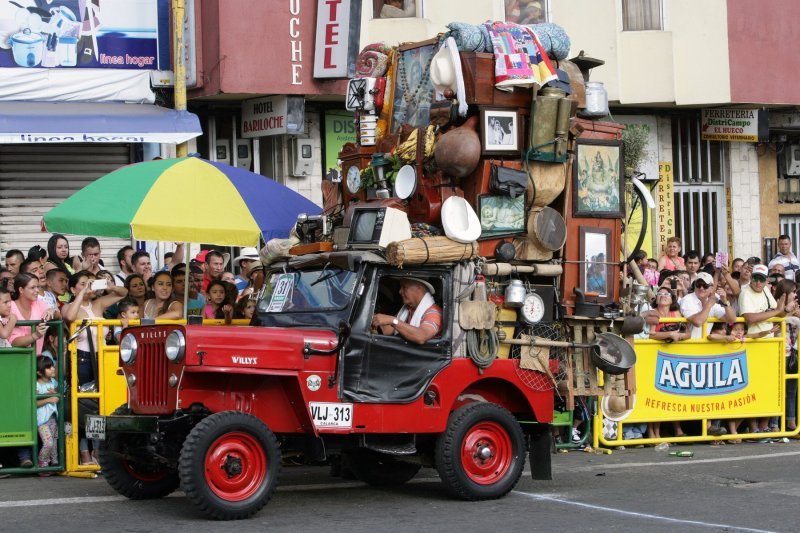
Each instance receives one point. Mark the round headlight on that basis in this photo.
(175, 346)
(127, 349)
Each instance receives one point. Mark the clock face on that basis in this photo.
(353, 179)
(532, 308)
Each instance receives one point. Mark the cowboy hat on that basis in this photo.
(248, 254)
(614, 407)
(443, 72)
(422, 282)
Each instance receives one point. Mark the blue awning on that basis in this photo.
(71, 122)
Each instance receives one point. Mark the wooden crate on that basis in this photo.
(478, 68)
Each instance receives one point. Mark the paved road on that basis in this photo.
(744, 487)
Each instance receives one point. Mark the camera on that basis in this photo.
(673, 282)
(99, 285)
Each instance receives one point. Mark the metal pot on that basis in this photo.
(515, 293)
(27, 48)
(612, 354)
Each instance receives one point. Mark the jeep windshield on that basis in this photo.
(316, 297)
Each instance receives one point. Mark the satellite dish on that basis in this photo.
(459, 220)
(405, 182)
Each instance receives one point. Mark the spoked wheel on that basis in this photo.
(482, 453)
(635, 222)
(130, 471)
(229, 465)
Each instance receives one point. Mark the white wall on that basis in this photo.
(745, 210)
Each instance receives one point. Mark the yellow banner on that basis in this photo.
(664, 206)
(691, 380)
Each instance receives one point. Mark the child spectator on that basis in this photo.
(56, 281)
(50, 346)
(218, 304)
(7, 320)
(47, 412)
(245, 309)
(127, 310)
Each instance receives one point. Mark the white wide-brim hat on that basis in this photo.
(246, 253)
(443, 71)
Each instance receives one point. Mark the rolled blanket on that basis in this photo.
(554, 39)
(371, 64)
(469, 37)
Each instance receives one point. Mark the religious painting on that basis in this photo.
(597, 184)
(413, 90)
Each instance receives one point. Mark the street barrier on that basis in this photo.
(700, 382)
(111, 390)
(18, 427)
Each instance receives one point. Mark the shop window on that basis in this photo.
(393, 9)
(526, 11)
(640, 15)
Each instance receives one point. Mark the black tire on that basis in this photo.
(635, 221)
(134, 479)
(377, 469)
(229, 465)
(474, 429)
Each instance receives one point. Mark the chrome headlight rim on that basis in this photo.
(128, 347)
(175, 346)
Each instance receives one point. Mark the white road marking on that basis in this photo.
(684, 462)
(553, 499)
(356, 484)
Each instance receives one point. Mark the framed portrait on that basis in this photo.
(597, 180)
(501, 215)
(595, 250)
(500, 131)
(413, 90)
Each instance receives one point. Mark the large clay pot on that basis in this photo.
(458, 151)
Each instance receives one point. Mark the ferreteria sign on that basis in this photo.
(732, 125)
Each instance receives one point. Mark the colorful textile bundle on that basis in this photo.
(520, 59)
(372, 61)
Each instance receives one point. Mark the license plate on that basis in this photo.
(331, 415)
(95, 427)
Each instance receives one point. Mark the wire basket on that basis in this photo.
(540, 381)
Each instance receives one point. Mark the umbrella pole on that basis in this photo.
(188, 275)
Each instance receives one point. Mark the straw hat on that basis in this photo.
(427, 285)
(614, 407)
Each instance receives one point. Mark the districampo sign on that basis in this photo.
(731, 125)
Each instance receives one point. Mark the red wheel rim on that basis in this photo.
(235, 466)
(486, 453)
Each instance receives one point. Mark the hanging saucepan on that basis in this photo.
(612, 354)
(27, 48)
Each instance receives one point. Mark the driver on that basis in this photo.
(419, 320)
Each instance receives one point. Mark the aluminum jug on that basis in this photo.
(515, 293)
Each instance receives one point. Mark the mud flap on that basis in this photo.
(540, 446)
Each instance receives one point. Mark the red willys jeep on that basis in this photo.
(212, 409)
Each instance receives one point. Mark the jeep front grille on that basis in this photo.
(152, 369)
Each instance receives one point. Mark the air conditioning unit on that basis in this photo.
(792, 154)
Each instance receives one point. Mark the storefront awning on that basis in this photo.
(69, 122)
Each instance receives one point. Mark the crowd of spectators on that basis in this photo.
(48, 285)
(698, 288)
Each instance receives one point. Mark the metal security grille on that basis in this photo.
(36, 178)
(790, 225)
(700, 173)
